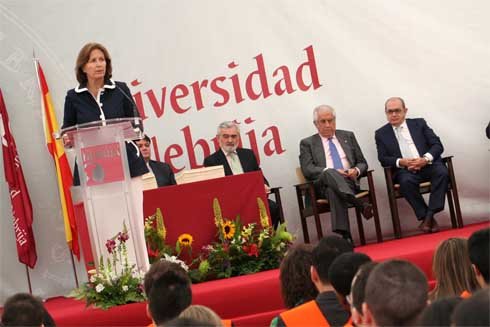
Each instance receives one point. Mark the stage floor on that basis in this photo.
(254, 299)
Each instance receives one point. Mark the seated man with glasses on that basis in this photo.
(162, 171)
(237, 160)
(412, 148)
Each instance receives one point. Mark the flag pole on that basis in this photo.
(28, 279)
(44, 122)
(74, 269)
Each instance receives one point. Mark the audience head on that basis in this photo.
(23, 309)
(358, 291)
(439, 312)
(296, 284)
(452, 269)
(144, 146)
(324, 254)
(396, 294)
(342, 271)
(168, 288)
(202, 314)
(89, 52)
(395, 111)
(473, 311)
(185, 322)
(478, 248)
(228, 136)
(324, 120)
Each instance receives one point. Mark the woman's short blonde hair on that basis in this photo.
(84, 56)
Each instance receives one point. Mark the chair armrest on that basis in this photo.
(275, 189)
(447, 159)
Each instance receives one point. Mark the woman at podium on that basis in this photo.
(98, 97)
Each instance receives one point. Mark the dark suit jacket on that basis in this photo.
(423, 136)
(247, 160)
(312, 155)
(163, 173)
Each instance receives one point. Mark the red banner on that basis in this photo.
(21, 202)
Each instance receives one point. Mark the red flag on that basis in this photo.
(63, 171)
(21, 202)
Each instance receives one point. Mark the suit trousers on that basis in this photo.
(340, 192)
(438, 176)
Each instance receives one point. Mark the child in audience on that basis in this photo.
(358, 291)
(439, 312)
(342, 271)
(452, 270)
(473, 311)
(23, 309)
(325, 309)
(479, 255)
(202, 314)
(294, 273)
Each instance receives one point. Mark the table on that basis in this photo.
(188, 208)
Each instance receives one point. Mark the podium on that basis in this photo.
(110, 197)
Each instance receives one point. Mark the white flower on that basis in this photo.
(113, 276)
(99, 288)
(175, 260)
(93, 278)
(125, 288)
(92, 272)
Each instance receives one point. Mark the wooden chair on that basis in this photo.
(311, 206)
(452, 197)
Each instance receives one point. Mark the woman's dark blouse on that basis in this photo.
(81, 107)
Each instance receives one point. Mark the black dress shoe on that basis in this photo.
(426, 225)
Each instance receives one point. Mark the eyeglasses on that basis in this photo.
(228, 136)
(393, 111)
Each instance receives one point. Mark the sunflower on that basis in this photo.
(228, 229)
(185, 240)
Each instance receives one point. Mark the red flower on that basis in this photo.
(153, 253)
(123, 237)
(251, 250)
(110, 245)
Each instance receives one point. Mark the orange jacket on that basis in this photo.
(309, 314)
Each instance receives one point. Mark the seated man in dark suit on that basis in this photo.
(334, 161)
(237, 160)
(162, 171)
(414, 150)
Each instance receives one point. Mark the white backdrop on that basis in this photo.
(434, 54)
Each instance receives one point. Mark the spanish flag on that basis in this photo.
(63, 171)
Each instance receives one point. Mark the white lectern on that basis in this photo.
(110, 197)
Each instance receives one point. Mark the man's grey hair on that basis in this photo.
(228, 124)
(323, 108)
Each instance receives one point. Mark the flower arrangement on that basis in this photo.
(241, 249)
(115, 282)
(155, 234)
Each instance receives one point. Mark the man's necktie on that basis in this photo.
(404, 147)
(337, 163)
(235, 165)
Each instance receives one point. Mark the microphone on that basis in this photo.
(138, 125)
